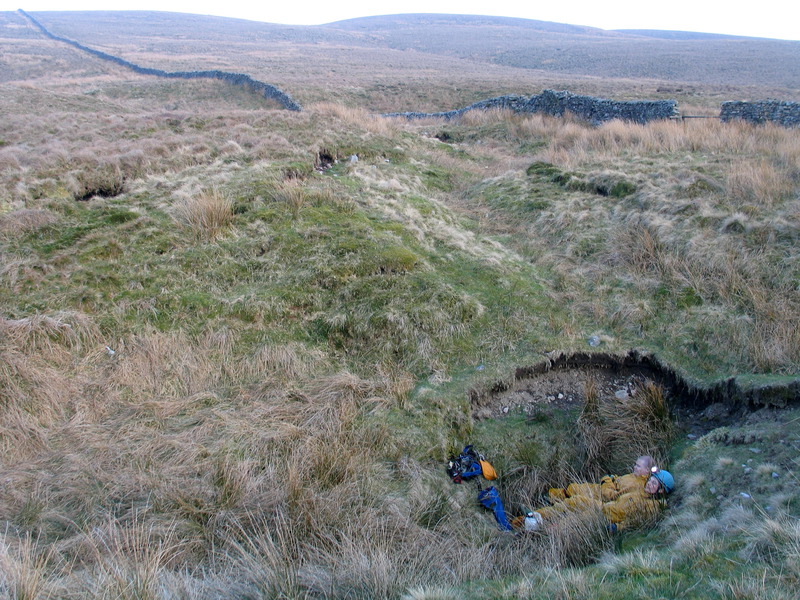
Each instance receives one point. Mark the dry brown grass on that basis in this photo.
(759, 182)
(359, 118)
(716, 234)
(595, 436)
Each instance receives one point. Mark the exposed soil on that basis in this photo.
(562, 383)
(566, 389)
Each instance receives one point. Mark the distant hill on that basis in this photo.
(556, 47)
(665, 34)
(394, 22)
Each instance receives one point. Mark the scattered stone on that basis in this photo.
(692, 436)
(561, 396)
(775, 475)
(354, 158)
(505, 410)
(748, 470)
(755, 450)
(713, 490)
(621, 394)
(720, 497)
(744, 495)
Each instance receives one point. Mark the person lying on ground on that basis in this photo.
(610, 487)
(627, 502)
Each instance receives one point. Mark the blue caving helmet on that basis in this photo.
(666, 479)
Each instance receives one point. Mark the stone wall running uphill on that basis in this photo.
(265, 89)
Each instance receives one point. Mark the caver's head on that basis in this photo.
(643, 466)
(660, 481)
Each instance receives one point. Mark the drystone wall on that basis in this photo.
(786, 114)
(594, 110)
(240, 79)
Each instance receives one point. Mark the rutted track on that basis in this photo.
(240, 79)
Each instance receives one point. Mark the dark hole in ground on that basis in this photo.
(104, 191)
(325, 160)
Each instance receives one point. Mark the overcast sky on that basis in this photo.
(766, 18)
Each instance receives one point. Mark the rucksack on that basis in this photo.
(469, 464)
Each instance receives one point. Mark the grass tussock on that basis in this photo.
(578, 539)
(24, 569)
(777, 542)
(20, 222)
(207, 214)
(291, 193)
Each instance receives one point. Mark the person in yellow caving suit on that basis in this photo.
(626, 501)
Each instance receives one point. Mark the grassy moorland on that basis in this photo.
(233, 360)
